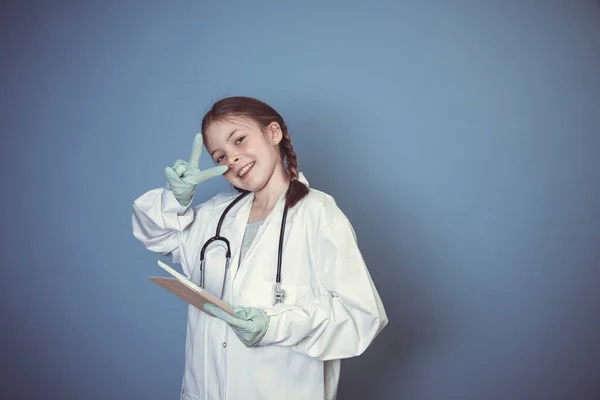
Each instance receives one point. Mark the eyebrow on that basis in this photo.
(228, 137)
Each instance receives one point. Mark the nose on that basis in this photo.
(232, 160)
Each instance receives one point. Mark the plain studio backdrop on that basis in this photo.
(460, 138)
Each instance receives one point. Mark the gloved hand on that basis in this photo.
(183, 177)
(250, 326)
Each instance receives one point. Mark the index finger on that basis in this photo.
(196, 151)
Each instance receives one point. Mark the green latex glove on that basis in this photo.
(250, 326)
(183, 177)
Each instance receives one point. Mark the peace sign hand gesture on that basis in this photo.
(183, 177)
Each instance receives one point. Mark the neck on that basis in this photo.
(267, 197)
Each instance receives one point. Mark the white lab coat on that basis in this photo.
(331, 308)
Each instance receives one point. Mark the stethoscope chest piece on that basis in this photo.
(278, 293)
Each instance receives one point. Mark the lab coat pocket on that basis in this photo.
(295, 296)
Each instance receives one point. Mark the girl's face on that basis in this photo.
(251, 154)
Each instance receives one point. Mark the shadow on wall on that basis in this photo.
(397, 266)
(413, 331)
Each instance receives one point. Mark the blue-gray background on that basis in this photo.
(461, 139)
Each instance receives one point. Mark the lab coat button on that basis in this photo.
(224, 344)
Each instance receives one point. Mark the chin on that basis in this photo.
(252, 186)
(241, 185)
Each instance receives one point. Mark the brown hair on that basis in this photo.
(263, 115)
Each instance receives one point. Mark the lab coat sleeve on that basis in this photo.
(346, 316)
(158, 219)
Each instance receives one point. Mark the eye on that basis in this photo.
(240, 139)
(219, 159)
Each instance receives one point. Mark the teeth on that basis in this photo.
(245, 169)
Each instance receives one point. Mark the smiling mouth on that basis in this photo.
(245, 170)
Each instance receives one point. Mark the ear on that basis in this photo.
(274, 133)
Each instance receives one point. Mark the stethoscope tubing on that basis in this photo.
(218, 237)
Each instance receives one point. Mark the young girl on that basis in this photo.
(287, 338)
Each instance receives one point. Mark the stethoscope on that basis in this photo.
(278, 292)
